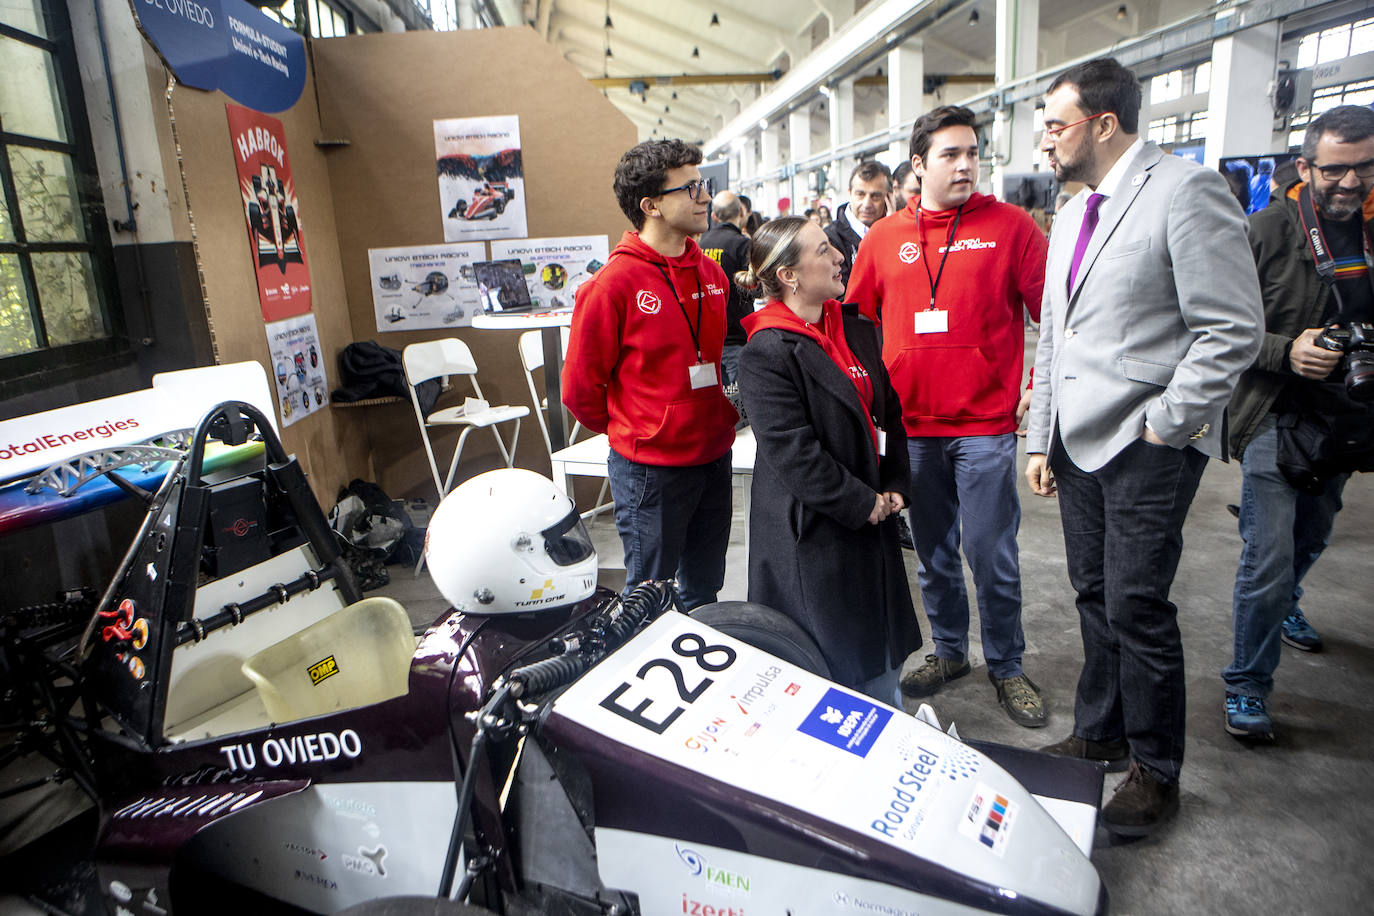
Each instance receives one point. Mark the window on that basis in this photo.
(326, 19)
(54, 245)
(1360, 92)
(1194, 127)
(1166, 87)
(1336, 43)
(1163, 130)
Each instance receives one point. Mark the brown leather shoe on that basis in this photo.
(1113, 755)
(1140, 804)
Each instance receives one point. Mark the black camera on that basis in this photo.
(1356, 341)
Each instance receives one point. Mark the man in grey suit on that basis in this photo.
(1151, 312)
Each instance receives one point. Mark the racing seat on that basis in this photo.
(448, 357)
(357, 656)
(531, 344)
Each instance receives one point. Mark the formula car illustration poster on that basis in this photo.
(427, 286)
(297, 367)
(481, 178)
(272, 211)
(554, 268)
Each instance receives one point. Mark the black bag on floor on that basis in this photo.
(376, 526)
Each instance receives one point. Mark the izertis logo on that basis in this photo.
(909, 253)
(648, 303)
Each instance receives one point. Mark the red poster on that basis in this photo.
(274, 214)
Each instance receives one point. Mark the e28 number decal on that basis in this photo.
(689, 646)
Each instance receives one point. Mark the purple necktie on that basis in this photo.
(1085, 234)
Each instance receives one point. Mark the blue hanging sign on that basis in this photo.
(227, 45)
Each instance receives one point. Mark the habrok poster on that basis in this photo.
(481, 178)
(272, 211)
(554, 268)
(298, 367)
(427, 286)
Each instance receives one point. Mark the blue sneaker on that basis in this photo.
(1247, 718)
(1299, 634)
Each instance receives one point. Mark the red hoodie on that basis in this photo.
(965, 381)
(626, 372)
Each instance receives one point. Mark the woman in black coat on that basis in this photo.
(831, 468)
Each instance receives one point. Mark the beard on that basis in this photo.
(1338, 206)
(1080, 169)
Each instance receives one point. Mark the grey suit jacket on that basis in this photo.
(1164, 317)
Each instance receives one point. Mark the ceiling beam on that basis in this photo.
(591, 14)
(687, 79)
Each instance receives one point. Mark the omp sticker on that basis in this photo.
(324, 668)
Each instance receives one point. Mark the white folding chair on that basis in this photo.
(531, 345)
(450, 357)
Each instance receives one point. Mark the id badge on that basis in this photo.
(702, 375)
(932, 321)
(882, 442)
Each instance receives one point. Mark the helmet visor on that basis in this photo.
(567, 542)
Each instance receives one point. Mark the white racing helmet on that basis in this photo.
(509, 542)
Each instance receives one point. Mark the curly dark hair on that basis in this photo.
(643, 169)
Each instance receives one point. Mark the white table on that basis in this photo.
(588, 459)
(549, 324)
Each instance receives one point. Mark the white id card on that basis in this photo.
(932, 321)
(702, 375)
(882, 442)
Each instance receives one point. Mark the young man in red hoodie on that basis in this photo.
(947, 278)
(643, 366)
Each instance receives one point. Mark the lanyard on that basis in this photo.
(1321, 252)
(696, 342)
(935, 283)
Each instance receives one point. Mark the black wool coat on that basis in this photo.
(812, 553)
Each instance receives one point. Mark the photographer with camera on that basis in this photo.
(1302, 416)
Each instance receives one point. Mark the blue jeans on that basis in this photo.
(1284, 530)
(674, 523)
(1123, 536)
(963, 490)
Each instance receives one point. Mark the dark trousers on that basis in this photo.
(1123, 535)
(674, 522)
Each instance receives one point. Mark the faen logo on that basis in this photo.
(648, 303)
(909, 253)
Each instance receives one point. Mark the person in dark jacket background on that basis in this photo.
(831, 466)
(727, 245)
(870, 186)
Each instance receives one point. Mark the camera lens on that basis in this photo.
(1359, 376)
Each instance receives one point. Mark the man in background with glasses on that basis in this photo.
(1307, 287)
(1151, 312)
(643, 366)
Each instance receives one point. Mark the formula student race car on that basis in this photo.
(261, 738)
(489, 201)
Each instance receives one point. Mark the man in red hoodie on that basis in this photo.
(643, 366)
(947, 278)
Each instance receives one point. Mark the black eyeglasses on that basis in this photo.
(694, 188)
(1337, 172)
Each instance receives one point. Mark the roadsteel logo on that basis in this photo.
(909, 253)
(648, 303)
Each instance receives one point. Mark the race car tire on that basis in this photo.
(414, 906)
(766, 629)
(500, 206)
(459, 210)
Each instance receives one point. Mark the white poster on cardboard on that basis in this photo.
(424, 286)
(297, 367)
(555, 268)
(481, 178)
